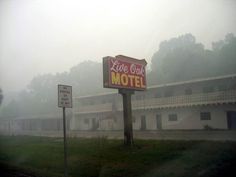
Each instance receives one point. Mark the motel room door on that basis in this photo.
(143, 123)
(95, 124)
(231, 119)
(158, 121)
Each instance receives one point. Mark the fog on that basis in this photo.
(187, 92)
(38, 37)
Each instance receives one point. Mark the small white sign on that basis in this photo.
(65, 96)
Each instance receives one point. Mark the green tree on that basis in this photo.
(182, 58)
(41, 95)
(86, 78)
(225, 55)
(1, 96)
(10, 110)
(178, 59)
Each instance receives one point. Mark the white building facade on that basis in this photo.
(208, 103)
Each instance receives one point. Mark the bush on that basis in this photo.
(208, 127)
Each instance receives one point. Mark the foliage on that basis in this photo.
(1, 96)
(208, 127)
(102, 157)
(181, 58)
(177, 59)
(41, 95)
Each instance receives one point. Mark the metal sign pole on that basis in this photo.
(65, 101)
(65, 143)
(127, 74)
(127, 111)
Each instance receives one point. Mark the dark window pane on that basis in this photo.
(168, 93)
(86, 121)
(205, 116)
(172, 117)
(208, 89)
(188, 91)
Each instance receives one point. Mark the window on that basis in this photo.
(233, 86)
(172, 117)
(115, 119)
(188, 91)
(205, 116)
(143, 122)
(133, 119)
(208, 89)
(168, 93)
(86, 121)
(158, 121)
(158, 95)
(83, 103)
(222, 87)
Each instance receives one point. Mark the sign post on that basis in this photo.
(126, 74)
(127, 112)
(65, 101)
(65, 142)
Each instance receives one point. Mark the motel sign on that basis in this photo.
(127, 75)
(124, 72)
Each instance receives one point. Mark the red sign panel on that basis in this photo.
(124, 72)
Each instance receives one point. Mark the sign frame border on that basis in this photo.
(58, 96)
(106, 74)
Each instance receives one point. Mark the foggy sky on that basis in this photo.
(49, 36)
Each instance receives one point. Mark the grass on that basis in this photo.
(95, 157)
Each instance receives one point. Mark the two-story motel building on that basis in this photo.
(207, 103)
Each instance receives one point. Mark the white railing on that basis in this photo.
(174, 101)
(187, 100)
(94, 108)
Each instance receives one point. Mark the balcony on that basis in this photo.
(94, 108)
(223, 97)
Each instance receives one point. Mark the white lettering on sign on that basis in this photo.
(132, 68)
(136, 70)
(64, 96)
(117, 67)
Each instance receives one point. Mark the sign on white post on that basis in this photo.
(65, 101)
(65, 96)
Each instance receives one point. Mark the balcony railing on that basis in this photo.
(94, 108)
(187, 100)
(222, 97)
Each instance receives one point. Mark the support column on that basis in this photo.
(127, 112)
(65, 142)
